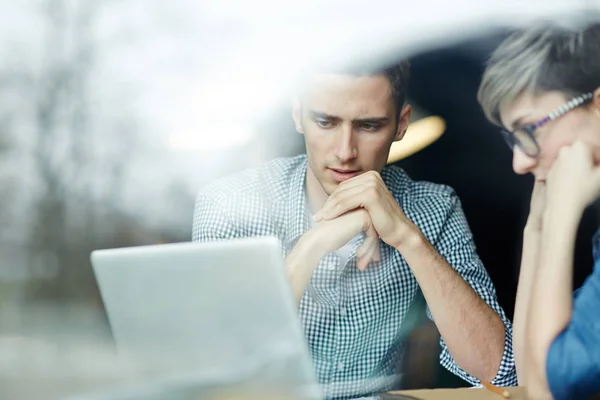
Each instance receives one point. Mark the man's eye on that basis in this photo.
(323, 124)
(369, 127)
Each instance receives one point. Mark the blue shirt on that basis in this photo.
(573, 363)
(355, 322)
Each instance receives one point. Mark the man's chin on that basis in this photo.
(330, 188)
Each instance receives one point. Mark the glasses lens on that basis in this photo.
(526, 142)
(508, 138)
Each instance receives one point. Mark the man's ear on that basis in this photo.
(403, 122)
(297, 115)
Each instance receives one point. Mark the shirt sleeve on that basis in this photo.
(455, 243)
(210, 221)
(573, 361)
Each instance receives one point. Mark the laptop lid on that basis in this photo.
(218, 308)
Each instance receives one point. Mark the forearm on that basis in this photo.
(551, 302)
(529, 265)
(301, 263)
(473, 332)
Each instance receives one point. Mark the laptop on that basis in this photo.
(211, 315)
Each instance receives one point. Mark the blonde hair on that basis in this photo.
(544, 58)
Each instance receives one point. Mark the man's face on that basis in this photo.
(349, 123)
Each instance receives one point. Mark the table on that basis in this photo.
(517, 393)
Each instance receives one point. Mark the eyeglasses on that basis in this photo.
(524, 137)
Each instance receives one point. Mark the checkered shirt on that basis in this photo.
(353, 320)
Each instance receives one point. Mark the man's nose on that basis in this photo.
(345, 148)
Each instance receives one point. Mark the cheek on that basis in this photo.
(314, 140)
(550, 148)
(373, 151)
(562, 135)
(318, 146)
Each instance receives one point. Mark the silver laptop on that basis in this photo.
(208, 313)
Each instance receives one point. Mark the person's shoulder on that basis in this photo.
(431, 206)
(250, 202)
(417, 194)
(270, 178)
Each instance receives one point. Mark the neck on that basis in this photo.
(315, 193)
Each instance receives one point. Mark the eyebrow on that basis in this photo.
(368, 120)
(519, 122)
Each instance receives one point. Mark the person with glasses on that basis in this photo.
(542, 85)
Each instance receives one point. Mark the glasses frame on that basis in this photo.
(512, 141)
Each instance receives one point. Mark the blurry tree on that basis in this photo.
(6, 145)
(62, 145)
(80, 162)
(77, 160)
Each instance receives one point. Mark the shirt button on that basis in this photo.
(340, 366)
(343, 311)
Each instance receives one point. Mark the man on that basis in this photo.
(375, 237)
(542, 86)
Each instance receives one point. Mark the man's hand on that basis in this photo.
(368, 191)
(328, 236)
(448, 295)
(335, 233)
(573, 181)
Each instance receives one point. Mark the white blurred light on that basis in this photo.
(215, 137)
(221, 110)
(419, 135)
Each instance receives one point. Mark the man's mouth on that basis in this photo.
(341, 175)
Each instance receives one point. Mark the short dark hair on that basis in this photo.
(397, 73)
(547, 57)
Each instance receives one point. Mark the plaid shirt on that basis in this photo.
(353, 320)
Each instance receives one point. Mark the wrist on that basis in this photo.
(407, 236)
(312, 243)
(562, 217)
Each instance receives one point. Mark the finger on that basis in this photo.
(376, 256)
(365, 247)
(370, 179)
(367, 257)
(340, 203)
(361, 260)
(369, 249)
(371, 232)
(362, 263)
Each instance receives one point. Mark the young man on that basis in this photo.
(543, 86)
(361, 239)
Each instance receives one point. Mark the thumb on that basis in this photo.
(371, 232)
(369, 229)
